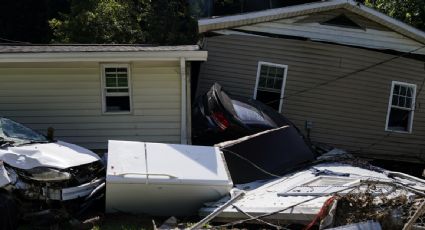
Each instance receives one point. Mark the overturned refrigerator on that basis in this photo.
(163, 179)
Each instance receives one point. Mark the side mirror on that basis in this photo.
(50, 133)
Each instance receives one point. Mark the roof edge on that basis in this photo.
(208, 24)
(104, 56)
(226, 22)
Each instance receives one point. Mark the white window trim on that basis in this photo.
(103, 86)
(282, 93)
(410, 125)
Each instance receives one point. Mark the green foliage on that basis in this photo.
(98, 21)
(164, 22)
(409, 11)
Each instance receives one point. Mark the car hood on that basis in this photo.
(60, 155)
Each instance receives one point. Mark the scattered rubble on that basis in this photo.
(336, 190)
(271, 178)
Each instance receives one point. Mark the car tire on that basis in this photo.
(9, 214)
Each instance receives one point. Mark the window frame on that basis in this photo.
(103, 87)
(282, 90)
(390, 106)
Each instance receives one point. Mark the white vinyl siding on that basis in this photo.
(116, 88)
(401, 107)
(270, 84)
(68, 97)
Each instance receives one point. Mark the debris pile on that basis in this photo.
(382, 203)
(416, 214)
(337, 191)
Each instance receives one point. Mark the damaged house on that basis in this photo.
(92, 93)
(345, 74)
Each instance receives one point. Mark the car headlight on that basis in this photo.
(47, 174)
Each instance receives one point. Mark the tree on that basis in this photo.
(168, 22)
(99, 21)
(408, 11)
(163, 22)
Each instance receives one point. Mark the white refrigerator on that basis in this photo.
(163, 179)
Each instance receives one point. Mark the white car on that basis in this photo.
(45, 177)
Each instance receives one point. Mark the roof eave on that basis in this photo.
(205, 25)
(104, 56)
(388, 21)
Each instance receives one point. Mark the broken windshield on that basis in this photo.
(13, 131)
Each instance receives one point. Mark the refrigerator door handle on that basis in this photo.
(147, 175)
(161, 176)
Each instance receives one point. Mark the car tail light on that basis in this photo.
(221, 120)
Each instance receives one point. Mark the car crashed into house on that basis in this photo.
(261, 170)
(43, 177)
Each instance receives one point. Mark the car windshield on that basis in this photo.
(248, 114)
(13, 131)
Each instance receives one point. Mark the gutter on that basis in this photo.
(183, 107)
(104, 56)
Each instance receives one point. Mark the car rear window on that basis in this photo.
(248, 114)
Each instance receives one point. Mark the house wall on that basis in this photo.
(349, 113)
(67, 96)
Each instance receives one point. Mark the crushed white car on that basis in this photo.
(46, 176)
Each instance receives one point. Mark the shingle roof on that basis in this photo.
(14, 48)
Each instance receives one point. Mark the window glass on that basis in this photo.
(401, 108)
(402, 102)
(271, 78)
(396, 89)
(246, 112)
(398, 120)
(271, 99)
(270, 83)
(403, 91)
(117, 104)
(117, 90)
(409, 92)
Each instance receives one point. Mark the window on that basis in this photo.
(401, 107)
(116, 88)
(270, 84)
